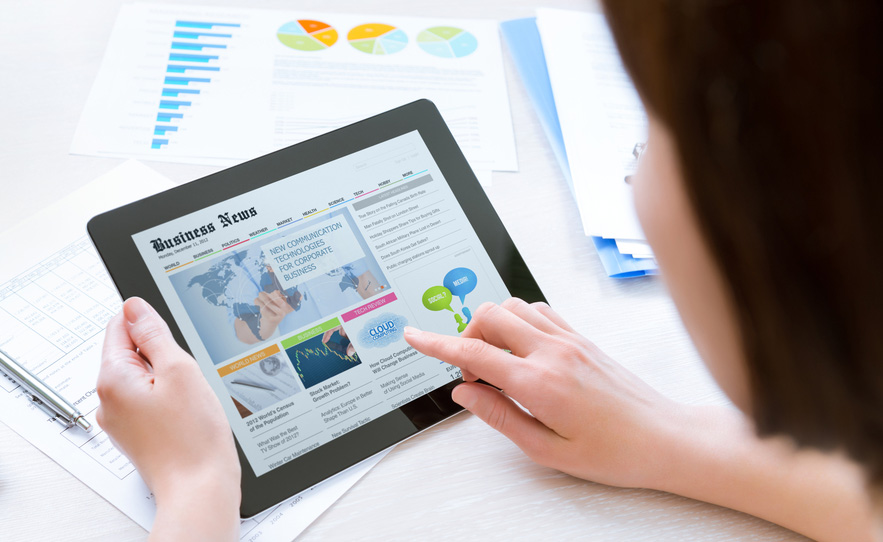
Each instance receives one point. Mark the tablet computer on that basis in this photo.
(290, 279)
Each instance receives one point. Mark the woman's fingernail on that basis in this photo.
(135, 309)
(464, 396)
(412, 331)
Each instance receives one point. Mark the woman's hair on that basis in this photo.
(775, 109)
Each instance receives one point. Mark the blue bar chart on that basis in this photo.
(173, 104)
(197, 46)
(172, 68)
(175, 92)
(167, 117)
(207, 26)
(197, 35)
(195, 53)
(181, 57)
(186, 80)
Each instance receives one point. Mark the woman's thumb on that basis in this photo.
(149, 332)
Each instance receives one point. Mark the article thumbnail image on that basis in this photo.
(324, 356)
(246, 297)
(261, 385)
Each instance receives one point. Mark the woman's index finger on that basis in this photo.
(487, 362)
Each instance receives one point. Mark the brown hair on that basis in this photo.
(775, 109)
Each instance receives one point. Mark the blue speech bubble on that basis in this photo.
(460, 281)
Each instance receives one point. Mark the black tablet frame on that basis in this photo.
(111, 233)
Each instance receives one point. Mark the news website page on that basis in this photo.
(293, 297)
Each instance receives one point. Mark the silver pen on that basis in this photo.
(253, 385)
(42, 395)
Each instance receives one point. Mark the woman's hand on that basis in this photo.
(159, 410)
(588, 416)
(591, 418)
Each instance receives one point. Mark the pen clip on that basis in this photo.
(46, 408)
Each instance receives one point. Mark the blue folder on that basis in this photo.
(523, 39)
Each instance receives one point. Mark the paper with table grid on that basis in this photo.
(55, 299)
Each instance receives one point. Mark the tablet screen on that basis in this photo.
(293, 297)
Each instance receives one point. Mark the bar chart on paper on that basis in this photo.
(194, 56)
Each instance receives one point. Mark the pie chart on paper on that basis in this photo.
(307, 35)
(377, 39)
(447, 41)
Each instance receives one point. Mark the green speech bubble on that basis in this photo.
(437, 298)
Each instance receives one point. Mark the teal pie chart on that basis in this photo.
(447, 42)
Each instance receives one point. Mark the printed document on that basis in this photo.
(602, 120)
(217, 85)
(55, 299)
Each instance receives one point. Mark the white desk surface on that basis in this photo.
(459, 480)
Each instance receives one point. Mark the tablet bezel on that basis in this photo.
(111, 233)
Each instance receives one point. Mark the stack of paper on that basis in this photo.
(595, 122)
